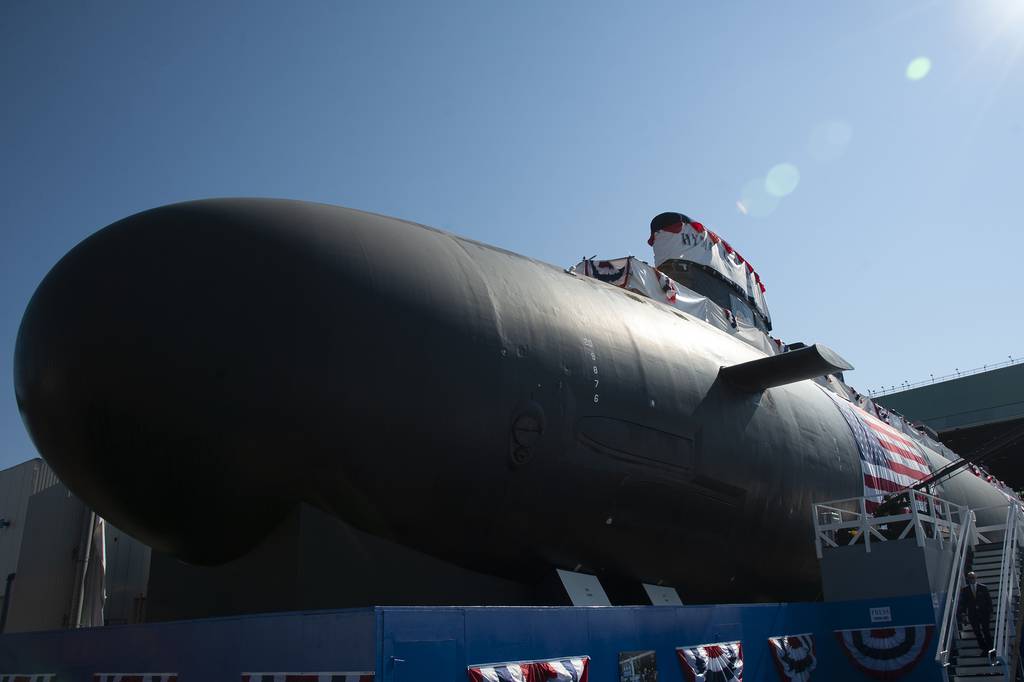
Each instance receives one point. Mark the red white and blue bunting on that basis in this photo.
(614, 272)
(719, 662)
(571, 669)
(674, 236)
(885, 653)
(308, 677)
(794, 656)
(33, 677)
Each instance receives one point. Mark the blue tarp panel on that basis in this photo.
(405, 644)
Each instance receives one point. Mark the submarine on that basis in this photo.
(195, 371)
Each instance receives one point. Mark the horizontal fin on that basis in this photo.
(785, 368)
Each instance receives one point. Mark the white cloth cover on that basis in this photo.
(696, 244)
(639, 277)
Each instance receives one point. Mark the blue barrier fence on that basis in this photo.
(438, 643)
(426, 643)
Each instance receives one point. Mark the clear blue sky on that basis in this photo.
(556, 129)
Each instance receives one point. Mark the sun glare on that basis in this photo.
(1008, 12)
(994, 20)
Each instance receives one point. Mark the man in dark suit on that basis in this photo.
(976, 602)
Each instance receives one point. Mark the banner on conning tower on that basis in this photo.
(690, 241)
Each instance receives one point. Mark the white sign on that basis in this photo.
(583, 589)
(881, 614)
(662, 596)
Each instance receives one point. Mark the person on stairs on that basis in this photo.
(976, 602)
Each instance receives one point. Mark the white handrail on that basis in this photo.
(1007, 585)
(949, 613)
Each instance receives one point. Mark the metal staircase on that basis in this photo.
(997, 565)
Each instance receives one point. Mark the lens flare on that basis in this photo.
(782, 180)
(918, 68)
(756, 201)
(830, 140)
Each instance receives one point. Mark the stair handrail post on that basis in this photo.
(1006, 568)
(949, 612)
(916, 519)
(865, 527)
(817, 531)
(1013, 663)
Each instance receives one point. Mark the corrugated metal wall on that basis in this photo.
(45, 478)
(17, 484)
(44, 559)
(41, 595)
(127, 578)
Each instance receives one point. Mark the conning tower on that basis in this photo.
(702, 261)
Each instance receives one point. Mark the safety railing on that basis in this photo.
(1012, 530)
(1009, 587)
(848, 522)
(947, 628)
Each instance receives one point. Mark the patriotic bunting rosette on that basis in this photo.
(608, 271)
(794, 657)
(720, 662)
(308, 677)
(571, 669)
(885, 653)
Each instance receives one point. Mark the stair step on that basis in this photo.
(979, 670)
(966, 636)
(974, 678)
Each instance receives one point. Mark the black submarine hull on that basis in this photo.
(195, 371)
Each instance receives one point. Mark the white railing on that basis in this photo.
(1009, 586)
(947, 629)
(848, 522)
